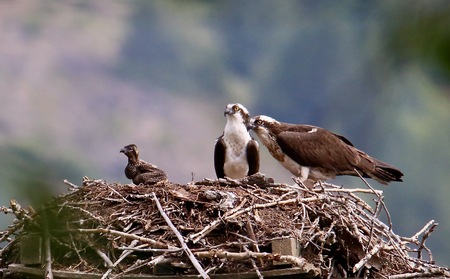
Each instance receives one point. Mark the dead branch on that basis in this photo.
(152, 242)
(181, 240)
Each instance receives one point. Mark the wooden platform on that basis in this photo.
(274, 274)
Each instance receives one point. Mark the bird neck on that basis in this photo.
(235, 125)
(133, 160)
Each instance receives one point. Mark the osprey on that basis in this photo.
(236, 154)
(314, 153)
(139, 171)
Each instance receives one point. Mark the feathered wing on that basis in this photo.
(318, 148)
(252, 157)
(151, 178)
(149, 174)
(219, 157)
(335, 153)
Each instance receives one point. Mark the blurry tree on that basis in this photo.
(421, 37)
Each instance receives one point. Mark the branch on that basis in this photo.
(181, 240)
(196, 237)
(367, 257)
(154, 243)
(298, 261)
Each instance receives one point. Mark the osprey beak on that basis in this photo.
(229, 111)
(122, 150)
(250, 126)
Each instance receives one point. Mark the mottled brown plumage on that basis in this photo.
(313, 153)
(139, 171)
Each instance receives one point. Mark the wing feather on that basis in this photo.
(253, 157)
(317, 147)
(219, 157)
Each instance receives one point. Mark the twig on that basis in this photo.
(71, 184)
(48, 253)
(181, 240)
(255, 267)
(417, 275)
(154, 243)
(429, 231)
(151, 250)
(140, 263)
(344, 190)
(196, 237)
(117, 193)
(366, 258)
(105, 258)
(298, 261)
(121, 258)
(415, 238)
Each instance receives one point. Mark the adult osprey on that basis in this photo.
(314, 153)
(236, 154)
(139, 171)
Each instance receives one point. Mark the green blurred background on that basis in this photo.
(81, 79)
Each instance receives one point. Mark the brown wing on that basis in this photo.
(144, 167)
(150, 178)
(252, 157)
(219, 157)
(316, 147)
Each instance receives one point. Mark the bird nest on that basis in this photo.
(214, 227)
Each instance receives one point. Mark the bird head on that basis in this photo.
(131, 151)
(261, 123)
(237, 112)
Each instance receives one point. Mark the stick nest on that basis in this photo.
(226, 226)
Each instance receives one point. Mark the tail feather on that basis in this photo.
(385, 173)
(379, 170)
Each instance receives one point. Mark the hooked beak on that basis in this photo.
(122, 150)
(228, 111)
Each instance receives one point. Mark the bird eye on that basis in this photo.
(235, 108)
(259, 122)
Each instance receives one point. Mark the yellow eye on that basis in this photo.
(259, 122)
(235, 108)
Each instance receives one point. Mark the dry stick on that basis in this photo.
(415, 238)
(154, 243)
(100, 219)
(71, 184)
(151, 250)
(343, 190)
(117, 193)
(121, 258)
(216, 222)
(48, 254)
(380, 198)
(367, 257)
(422, 243)
(186, 249)
(252, 235)
(300, 262)
(252, 261)
(196, 237)
(102, 255)
(139, 264)
(377, 211)
(418, 275)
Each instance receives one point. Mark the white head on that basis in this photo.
(261, 123)
(237, 112)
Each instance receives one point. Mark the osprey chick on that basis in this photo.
(314, 153)
(236, 154)
(140, 171)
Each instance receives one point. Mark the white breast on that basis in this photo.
(236, 138)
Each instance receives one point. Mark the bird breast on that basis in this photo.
(236, 139)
